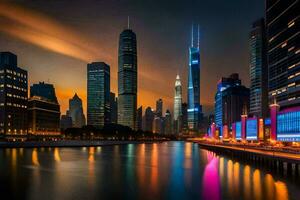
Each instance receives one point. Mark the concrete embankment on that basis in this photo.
(67, 143)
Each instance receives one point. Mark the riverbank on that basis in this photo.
(69, 143)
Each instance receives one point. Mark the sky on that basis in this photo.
(54, 41)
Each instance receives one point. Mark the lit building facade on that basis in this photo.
(178, 105)
(223, 84)
(98, 94)
(13, 97)
(127, 79)
(194, 107)
(43, 111)
(76, 112)
(258, 70)
(283, 33)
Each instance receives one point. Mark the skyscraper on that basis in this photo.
(76, 112)
(13, 97)
(258, 70)
(148, 118)
(159, 108)
(184, 108)
(194, 107)
(113, 108)
(98, 94)
(282, 22)
(43, 110)
(168, 123)
(139, 118)
(127, 79)
(178, 105)
(223, 84)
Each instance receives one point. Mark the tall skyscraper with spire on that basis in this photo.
(127, 78)
(178, 105)
(194, 107)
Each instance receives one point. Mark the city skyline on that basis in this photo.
(152, 64)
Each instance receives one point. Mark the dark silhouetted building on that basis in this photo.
(43, 111)
(283, 33)
(184, 118)
(193, 92)
(65, 122)
(168, 123)
(258, 70)
(98, 94)
(113, 108)
(13, 98)
(139, 118)
(127, 79)
(76, 112)
(148, 119)
(159, 108)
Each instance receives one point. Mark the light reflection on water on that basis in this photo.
(172, 170)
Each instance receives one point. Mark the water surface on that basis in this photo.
(170, 170)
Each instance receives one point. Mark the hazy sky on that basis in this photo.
(54, 41)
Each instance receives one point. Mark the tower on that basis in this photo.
(178, 105)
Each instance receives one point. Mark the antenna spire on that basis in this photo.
(128, 22)
(192, 36)
(198, 36)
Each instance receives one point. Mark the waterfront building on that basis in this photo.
(184, 108)
(282, 23)
(76, 112)
(168, 130)
(258, 70)
(13, 97)
(194, 107)
(157, 125)
(139, 118)
(113, 108)
(65, 122)
(127, 79)
(159, 108)
(98, 94)
(223, 84)
(148, 119)
(43, 111)
(178, 106)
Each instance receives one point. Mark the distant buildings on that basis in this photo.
(127, 79)
(178, 105)
(139, 118)
(168, 130)
(258, 70)
(184, 108)
(43, 111)
(159, 108)
(194, 107)
(282, 21)
(113, 108)
(98, 94)
(76, 112)
(148, 119)
(13, 97)
(65, 122)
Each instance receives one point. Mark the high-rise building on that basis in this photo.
(283, 33)
(168, 130)
(184, 108)
(43, 111)
(98, 94)
(148, 119)
(258, 70)
(157, 125)
(13, 97)
(127, 79)
(113, 108)
(194, 107)
(159, 108)
(223, 84)
(76, 112)
(178, 105)
(139, 118)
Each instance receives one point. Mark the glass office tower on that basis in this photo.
(127, 79)
(194, 107)
(98, 94)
